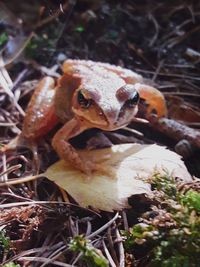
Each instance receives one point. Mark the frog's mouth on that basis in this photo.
(96, 118)
(103, 124)
(93, 116)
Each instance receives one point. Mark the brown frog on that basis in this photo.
(88, 95)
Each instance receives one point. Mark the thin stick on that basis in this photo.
(56, 14)
(43, 259)
(176, 75)
(140, 120)
(125, 220)
(121, 250)
(111, 261)
(21, 180)
(56, 254)
(160, 65)
(4, 177)
(7, 84)
(133, 131)
(104, 227)
(111, 246)
(11, 169)
(7, 124)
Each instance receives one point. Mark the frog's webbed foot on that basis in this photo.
(91, 169)
(88, 165)
(99, 165)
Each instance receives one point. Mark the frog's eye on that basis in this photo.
(84, 102)
(133, 101)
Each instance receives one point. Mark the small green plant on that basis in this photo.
(43, 44)
(90, 255)
(40, 46)
(11, 264)
(4, 241)
(4, 245)
(3, 38)
(80, 29)
(171, 231)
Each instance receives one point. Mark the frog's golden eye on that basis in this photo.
(83, 101)
(133, 101)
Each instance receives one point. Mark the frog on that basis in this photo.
(87, 95)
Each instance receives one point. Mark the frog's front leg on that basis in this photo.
(65, 150)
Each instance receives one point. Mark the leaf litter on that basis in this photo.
(162, 48)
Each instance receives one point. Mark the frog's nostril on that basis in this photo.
(122, 112)
(111, 113)
(111, 116)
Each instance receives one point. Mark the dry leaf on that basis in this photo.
(128, 164)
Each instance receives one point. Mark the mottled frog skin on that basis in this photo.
(88, 95)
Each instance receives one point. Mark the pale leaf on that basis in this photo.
(124, 169)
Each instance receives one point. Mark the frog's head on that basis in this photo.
(106, 105)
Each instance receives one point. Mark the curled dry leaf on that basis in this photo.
(124, 169)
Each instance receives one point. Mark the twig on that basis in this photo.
(7, 84)
(19, 79)
(133, 131)
(181, 94)
(111, 262)
(181, 66)
(125, 220)
(43, 259)
(176, 130)
(176, 75)
(192, 53)
(121, 249)
(176, 29)
(30, 202)
(7, 124)
(11, 169)
(13, 195)
(104, 227)
(89, 228)
(55, 254)
(155, 37)
(19, 180)
(56, 14)
(77, 258)
(193, 124)
(34, 250)
(111, 247)
(176, 40)
(160, 65)
(4, 177)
